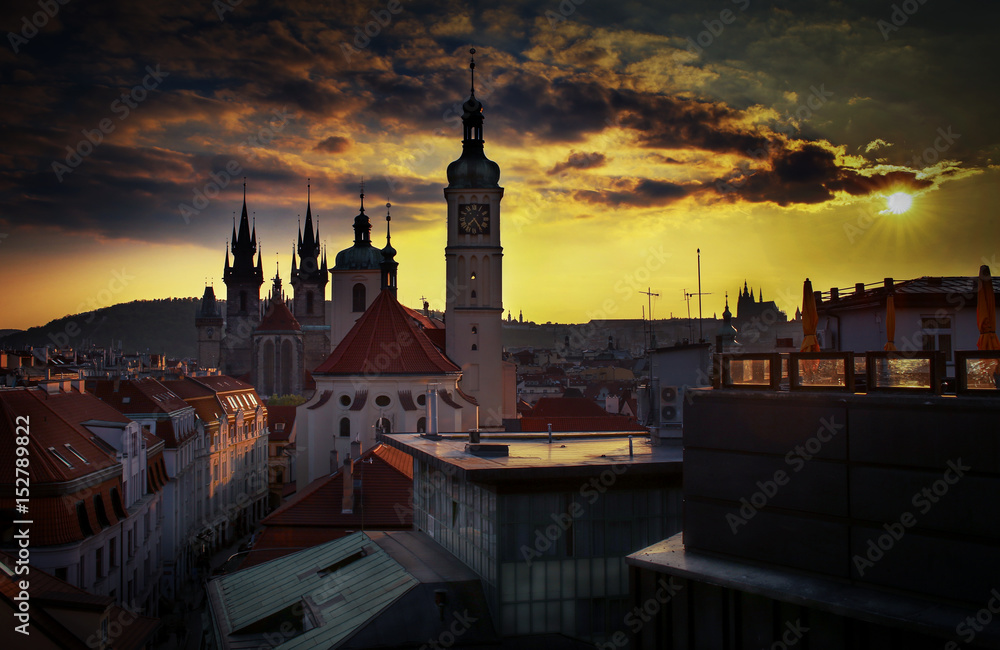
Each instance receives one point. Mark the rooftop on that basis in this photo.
(530, 456)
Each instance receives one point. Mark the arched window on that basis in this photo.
(422, 425)
(345, 427)
(474, 347)
(309, 302)
(359, 297)
(279, 475)
(384, 425)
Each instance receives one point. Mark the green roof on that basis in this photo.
(334, 589)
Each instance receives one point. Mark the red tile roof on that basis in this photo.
(133, 396)
(314, 515)
(278, 319)
(54, 421)
(280, 414)
(386, 340)
(599, 423)
(49, 593)
(557, 407)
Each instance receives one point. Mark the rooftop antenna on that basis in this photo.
(701, 334)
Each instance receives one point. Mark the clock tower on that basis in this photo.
(473, 259)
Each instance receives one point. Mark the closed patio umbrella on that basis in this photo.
(809, 319)
(890, 324)
(986, 312)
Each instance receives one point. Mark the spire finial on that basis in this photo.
(472, 69)
(244, 189)
(362, 185)
(388, 234)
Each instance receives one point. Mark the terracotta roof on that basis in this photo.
(133, 396)
(423, 320)
(284, 415)
(278, 319)
(558, 407)
(222, 383)
(54, 421)
(597, 423)
(49, 593)
(385, 340)
(386, 504)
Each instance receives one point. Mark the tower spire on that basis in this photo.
(389, 264)
(472, 71)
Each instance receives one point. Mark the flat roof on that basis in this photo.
(530, 456)
(882, 607)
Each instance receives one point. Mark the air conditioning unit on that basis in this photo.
(670, 407)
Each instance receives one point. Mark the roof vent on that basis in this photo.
(488, 449)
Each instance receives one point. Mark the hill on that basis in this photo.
(160, 326)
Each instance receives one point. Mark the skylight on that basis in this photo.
(60, 457)
(76, 453)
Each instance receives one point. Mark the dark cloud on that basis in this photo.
(333, 144)
(582, 160)
(642, 192)
(811, 174)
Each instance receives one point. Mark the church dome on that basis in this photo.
(360, 257)
(473, 170)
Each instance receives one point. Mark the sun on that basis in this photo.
(899, 202)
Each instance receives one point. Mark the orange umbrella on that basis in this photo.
(986, 312)
(809, 319)
(890, 324)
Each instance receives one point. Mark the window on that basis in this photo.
(77, 454)
(99, 563)
(936, 335)
(345, 427)
(112, 556)
(474, 347)
(84, 519)
(358, 297)
(102, 515)
(475, 330)
(345, 400)
(421, 399)
(383, 401)
(383, 425)
(61, 573)
(422, 425)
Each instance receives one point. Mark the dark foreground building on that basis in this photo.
(828, 520)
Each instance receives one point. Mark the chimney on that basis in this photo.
(347, 506)
(334, 461)
(834, 293)
(432, 410)
(859, 287)
(356, 449)
(818, 295)
(888, 284)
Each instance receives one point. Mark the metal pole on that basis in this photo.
(701, 334)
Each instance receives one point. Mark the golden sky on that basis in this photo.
(769, 135)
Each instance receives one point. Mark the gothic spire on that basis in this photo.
(389, 264)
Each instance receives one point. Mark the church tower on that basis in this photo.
(243, 281)
(473, 260)
(309, 279)
(356, 277)
(208, 321)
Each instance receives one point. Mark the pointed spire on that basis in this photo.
(295, 271)
(233, 238)
(389, 264)
(472, 71)
(225, 272)
(300, 231)
(253, 236)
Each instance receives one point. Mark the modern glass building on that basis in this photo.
(547, 526)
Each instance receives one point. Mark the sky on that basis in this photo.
(769, 135)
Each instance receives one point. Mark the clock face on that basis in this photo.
(210, 332)
(474, 218)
